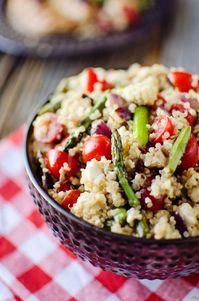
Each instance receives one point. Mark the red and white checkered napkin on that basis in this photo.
(34, 266)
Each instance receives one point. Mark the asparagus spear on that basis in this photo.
(50, 107)
(119, 214)
(109, 223)
(140, 125)
(121, 171)
(178, 148)
(142, 227)
(72, 141)
(75, 137)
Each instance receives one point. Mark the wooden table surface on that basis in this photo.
(26, 82)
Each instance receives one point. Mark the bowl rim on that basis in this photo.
(81, 222)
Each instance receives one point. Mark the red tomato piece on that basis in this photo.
(131, 14)
(92, 79)
(96, 147)
(181, 80)
(163, 128)
(159, 103)
(157, 203)
(70, 199)
(47, 129)
(106, 85)
(64, 186)
(179, 107)
(190, 157)
(55, 159)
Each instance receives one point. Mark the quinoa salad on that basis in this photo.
(120, 148)
(80, 18)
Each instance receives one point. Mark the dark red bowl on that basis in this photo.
(121, 254)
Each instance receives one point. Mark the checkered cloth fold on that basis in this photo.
(35, 267)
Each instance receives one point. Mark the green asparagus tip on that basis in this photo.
(109, 224)
(120, 215)
(142, 227)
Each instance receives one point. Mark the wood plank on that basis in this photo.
(181, 45)
(7, 64)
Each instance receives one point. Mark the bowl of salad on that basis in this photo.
(112, 161)
(62, 28)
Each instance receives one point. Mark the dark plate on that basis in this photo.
(62, 45)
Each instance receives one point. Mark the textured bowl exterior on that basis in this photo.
(121, 254)
(117, 253)
(62, 45)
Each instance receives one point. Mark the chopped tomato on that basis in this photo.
(70, 199)
(64, 186)
(159, 103)
(131, 14)
(96, 147)
(163, 129)
(47, 129)
(149, 202)
(55, 159)
(179, 107)
(190, 157)
(92, 79)
(181, 80)
(106, 85)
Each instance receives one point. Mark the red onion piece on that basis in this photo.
(104, 23)
(117, 100)
(180, 224)
(193, 102)
(139, 168)
(103, 129)
(124, 113)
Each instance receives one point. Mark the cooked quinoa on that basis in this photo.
(119, 149)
